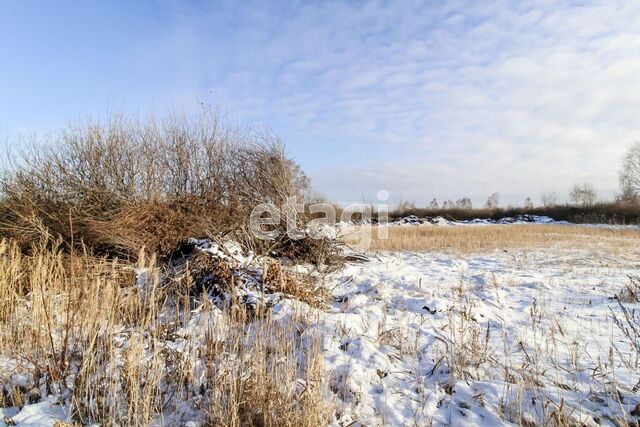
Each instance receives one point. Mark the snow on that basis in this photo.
(226, 250)
(413, 220)
(440, 221)
(547, 313)
(497, 338)
(42, 414)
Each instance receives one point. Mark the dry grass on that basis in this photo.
(120, 350)
(468, 239)
(541, 355)
(298, 286)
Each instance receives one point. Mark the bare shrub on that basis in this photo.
(405, 206)
(528, 203)
(464, 203)
(631, 292)
(127, 183)
(617, 212)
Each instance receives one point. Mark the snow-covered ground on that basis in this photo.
(507, 337)
(414, 339)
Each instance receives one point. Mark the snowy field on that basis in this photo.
(484, 339)
(507, 336)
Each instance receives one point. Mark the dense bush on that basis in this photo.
(604, 213)
(127, 183)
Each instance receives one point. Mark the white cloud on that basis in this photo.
(419, 98)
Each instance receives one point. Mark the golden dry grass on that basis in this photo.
(468, 239)
(81, 327)
(298, 286)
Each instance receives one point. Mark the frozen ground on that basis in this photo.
(482, 339)
(508, 337)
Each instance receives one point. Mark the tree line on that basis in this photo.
(580, 194)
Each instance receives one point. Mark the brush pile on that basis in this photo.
(126, 184)
(222, 273)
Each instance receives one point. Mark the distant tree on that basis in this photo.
(582, 194)
(548, 199)
(405, 206)
(467, 203)
(528, 204)
(448, 204)
(464, 203)
(433, 204)
(630, 174)
(493, 201)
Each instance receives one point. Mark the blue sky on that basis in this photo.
(420, 98)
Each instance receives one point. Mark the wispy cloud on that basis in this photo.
(446, 100)
(419, 98)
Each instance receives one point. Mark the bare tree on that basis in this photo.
(528, 203)
(630, 174)
(548, 199)
(582, 194)
(433, 204)
(464, 203)
(406, 206)
(448, 204)
(493, 201)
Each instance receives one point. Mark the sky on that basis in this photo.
(422, 99)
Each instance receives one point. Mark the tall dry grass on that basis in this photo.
(120, 348)
(537, 362)
(467, 239)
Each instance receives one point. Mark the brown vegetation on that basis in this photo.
(466, 239)
(113, 341)
(84, 328)
(621, 212)
(126, 184)
(299, 286)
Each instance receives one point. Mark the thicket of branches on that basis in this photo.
(126, 183)
(618, 212)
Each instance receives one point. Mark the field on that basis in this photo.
(454, 325)
(490, 325)
(320, 213)
(468, 239)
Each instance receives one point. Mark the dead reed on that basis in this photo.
(112, 344)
